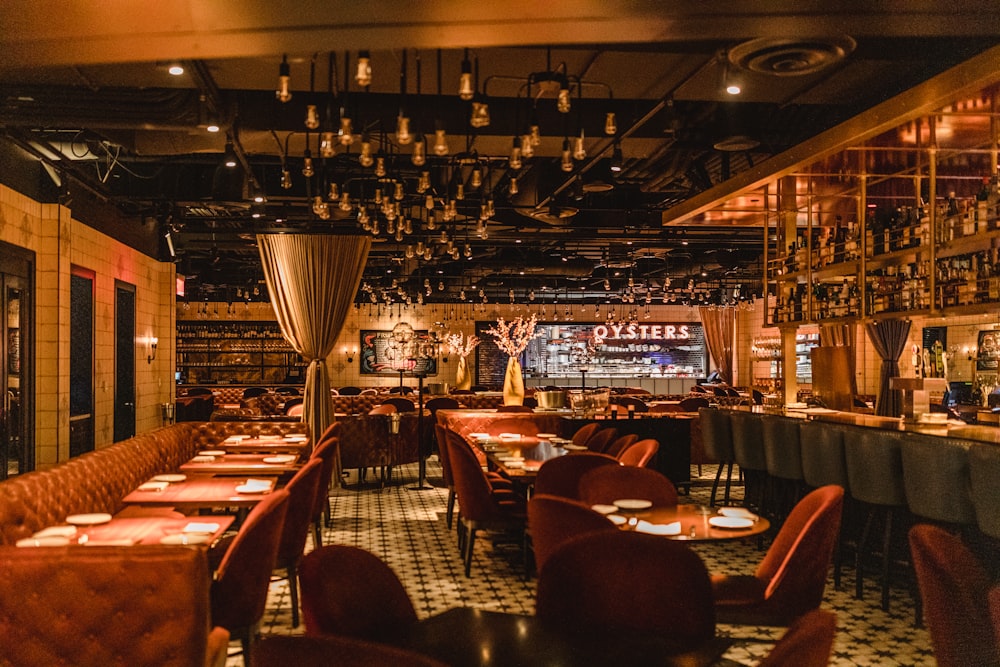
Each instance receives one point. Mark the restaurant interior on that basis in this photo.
(318, 292)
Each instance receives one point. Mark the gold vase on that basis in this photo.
(513, 383)
(463, 378)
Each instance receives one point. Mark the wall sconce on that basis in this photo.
(153, 342)
(350, 354)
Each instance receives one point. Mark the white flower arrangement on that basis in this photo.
(513, 337)
(460, 345)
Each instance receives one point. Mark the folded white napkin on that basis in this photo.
(196, 527)
(154, 486)
(673, 528)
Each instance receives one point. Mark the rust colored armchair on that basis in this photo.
(142, 605)
(553, 521)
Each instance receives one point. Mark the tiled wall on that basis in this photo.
(59, 243)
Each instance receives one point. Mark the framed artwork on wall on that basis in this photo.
(988, 351)
(402, 348)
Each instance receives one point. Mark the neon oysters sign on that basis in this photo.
(604, 332)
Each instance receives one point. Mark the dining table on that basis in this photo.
(475, 637)
(520, 457)
(203, 492)
(687, 522)
(243, 464)
(262, 445)
(130, 529)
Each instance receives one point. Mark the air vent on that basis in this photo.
(790, 57)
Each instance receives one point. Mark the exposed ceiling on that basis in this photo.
(105, 117)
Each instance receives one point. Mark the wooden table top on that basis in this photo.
(261, 446)
(471, 637)
(131, 529)
(696, 523)
(528, 452)
(242, 464)
(200, 492)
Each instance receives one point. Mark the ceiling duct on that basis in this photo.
(790, 57)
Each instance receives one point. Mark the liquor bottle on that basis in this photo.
(839, 240)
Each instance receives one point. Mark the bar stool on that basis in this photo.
(823, 463)
(748, 452)
(875, 477)
(937, 479)
(717, 438)
(784, 462)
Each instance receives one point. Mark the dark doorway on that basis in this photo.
(17, 452)
(81, 362)
(124, 361)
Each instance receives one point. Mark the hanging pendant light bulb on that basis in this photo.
(535, 134)
(566, 163)
(419, 156)
(467, 251)
(334, 193)
(409, 251)
(365, 158)
(513, 185)
(515, 154)
(312, 117)
(465, 89)
(345, 201)
(424, 182)
(364, 71)
(476, 180)
(403, 136)
(283, 93)
(380, 166)
(440, 143)
(460, 191)
(307, 164)
(397, 192)
(527, 148)
(563, 101)
(610, 124)
(429, 202)
(346, 133)
(579, 149)
(480, 113)
(327, 145)
(286, 179)
(407, 226)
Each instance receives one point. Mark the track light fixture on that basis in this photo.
(283, 93)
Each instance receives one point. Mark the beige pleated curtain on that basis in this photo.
(312, 281)
(720, 329)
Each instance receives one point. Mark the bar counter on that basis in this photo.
(951, 429)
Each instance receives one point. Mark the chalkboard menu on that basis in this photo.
(675, 349)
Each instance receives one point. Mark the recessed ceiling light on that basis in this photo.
(175, 69)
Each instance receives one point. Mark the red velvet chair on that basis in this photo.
(790, 580)
(401, 404)
(302, 490)
(239, 591)
(639, 454)
(515, 408)
(605, 485)
(620, 444)
(955, 590)
(601, 440)
(481, 506)
(553, 521)
(303, 651)
(561, 476)
(350, 592)
(522, 425)
(627, 584)
(139, 605)
(327, 451)
(807, 643)
(585, 433)
(441, 432)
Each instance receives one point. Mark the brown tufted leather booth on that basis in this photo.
(144, 605)
(97, 481)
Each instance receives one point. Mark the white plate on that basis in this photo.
(182, 538)
(296, 438)
(243, 488)
(201, 458)
(212, 452)
(508, 459)
(730, 522)
(56, 531)
(478, 436)
(171, 478)
(546, 436)
(94, 519)
(574, 448)
(236, 438)
(514, 464)
(604, 509)
(738, 512)
(510, 436)
(617, 519)
(199, 527)
(283, 458)
(673, 528)
(49, 541)
(632, 504)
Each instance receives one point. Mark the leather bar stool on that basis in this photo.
(823, 463)
(717, 439)
(875, 478)
(748, 452)
(784, 462)
(937, 479)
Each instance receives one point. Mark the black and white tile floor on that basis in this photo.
(406, 528)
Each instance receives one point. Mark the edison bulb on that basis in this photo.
(440, 143)
(364, 72)
(312, 117)
(346, 134)
(327, 145)
(403, 135)
(419, 156)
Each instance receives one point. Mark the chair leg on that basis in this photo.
(317, 534)
(859, 584)
(715, 485)
(451, 507)
(470, 543)
(729, 481)
(886, 558)
(293, 592)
